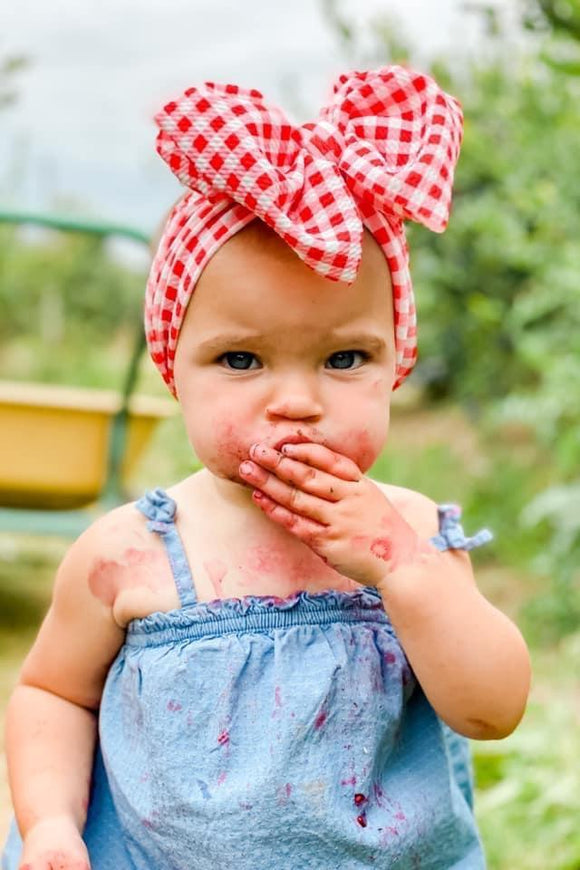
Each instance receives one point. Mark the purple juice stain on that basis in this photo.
(362, 820)
(320, 719)
(359, 799)
(378, 794)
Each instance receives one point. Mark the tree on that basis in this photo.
(559, 21)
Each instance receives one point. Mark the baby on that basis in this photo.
(275, 662)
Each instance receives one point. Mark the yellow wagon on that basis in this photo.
(66, 453)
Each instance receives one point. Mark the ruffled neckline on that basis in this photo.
(366, 598)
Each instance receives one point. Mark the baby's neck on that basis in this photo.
(228, 493)
(234, 549)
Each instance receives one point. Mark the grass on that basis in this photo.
(528, 801)
(528, 786)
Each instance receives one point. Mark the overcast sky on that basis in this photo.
(82, 127)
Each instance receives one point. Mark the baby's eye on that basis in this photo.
(238, 359)
(345, 359)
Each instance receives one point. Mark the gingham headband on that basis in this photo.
(382, 151)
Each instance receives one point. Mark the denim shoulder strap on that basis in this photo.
(451, 535)
(159, 508)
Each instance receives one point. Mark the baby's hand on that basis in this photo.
(54, 844)
(324, 499)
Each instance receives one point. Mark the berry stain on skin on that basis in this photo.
(264, 560)
(398, 546)
(135, 568)
(227, 451)
(382, 548)
(360, 447)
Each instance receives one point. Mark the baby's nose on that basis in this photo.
(294, 399)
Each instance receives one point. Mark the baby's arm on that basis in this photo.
(51, 720)
(470, 659)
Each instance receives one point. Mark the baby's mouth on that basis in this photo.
(299, 437)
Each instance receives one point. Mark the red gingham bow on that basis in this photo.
(382, 151)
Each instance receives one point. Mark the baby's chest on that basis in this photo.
(140, 579)
(258, 562)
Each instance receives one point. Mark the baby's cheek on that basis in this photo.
(363, 446)
(226, 448)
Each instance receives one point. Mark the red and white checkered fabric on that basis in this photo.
(382, 151)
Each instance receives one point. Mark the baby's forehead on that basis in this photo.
(257, 282)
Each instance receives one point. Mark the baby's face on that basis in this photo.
(270, 351)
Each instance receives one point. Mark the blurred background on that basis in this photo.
(491, 416)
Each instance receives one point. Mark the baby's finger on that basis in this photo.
(325, 459)
(283, 493)
(299, 474)
(303, 528)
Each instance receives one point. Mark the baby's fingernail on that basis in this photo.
(287, 448)
(246, 468)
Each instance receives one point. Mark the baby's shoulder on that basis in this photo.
(118, 538)
(417, 509)
(125, 566)
(111, 533)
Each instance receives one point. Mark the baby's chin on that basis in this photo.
(226, 471)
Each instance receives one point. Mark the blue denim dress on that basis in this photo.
(261, 733)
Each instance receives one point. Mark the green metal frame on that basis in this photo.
(70, 523)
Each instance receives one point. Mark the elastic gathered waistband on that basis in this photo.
(179, 626)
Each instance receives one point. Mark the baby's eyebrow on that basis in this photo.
(350, 340)
(358, 339)
(218, 342)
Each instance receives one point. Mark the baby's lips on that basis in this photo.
(299, 438)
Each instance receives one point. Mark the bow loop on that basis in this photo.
(224, 142)
(223, 139)
(402, 137)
